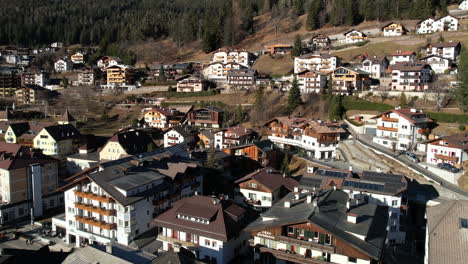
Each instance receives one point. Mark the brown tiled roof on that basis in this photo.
(174, 169)
(447, 238)
(15, 156)
(404, 53)
(67, 117)
(459, 141)
(226, 218)
(409, 66)
(408, 115)
(449, 44)
(133, 141)
(239, 130)
(271, 179)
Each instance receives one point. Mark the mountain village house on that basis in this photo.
(319, 139)
(319, 41)
(354, 36)
(312, 82)
(449, 149)
(163, 117)
(448, 50)
(347, 81)
(406, 56)
(242, 57)
(431, 25)
(63, 65)
(394, 30)
(324, 63)
(265, 187)
(126, 143)
(232, 136)
(242, 79)
(280, 49)
(375, 65)
(410, 76)
(265, 152)
(119, 75)
(58, 141)
(211, 117)
(402, 129)
(178, 135)
(77, 58)
(191, 85)
(438, 64)
(219, 70)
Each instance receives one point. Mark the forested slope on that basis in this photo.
(215, 22)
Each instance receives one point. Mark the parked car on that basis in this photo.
(411, 156)
(449, 167)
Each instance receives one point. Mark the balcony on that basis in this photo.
(92, 221)
(389, 119)
(391, 129)
(254, 202)
(308, 244)
(159, 202)
(444, 157)
(171, 240)
(92, 196)
(293, 257)
(95, 209)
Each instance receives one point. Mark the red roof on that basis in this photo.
(405, 53)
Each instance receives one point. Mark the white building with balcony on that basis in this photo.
(312, 82)
(431, 25)
(450, 149)
(324, 63)
(410, 76)
(402, 129)
(242, 57)
(118, 200)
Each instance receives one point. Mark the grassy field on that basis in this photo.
(274, 66)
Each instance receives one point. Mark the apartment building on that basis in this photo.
(219, 70)
(326, 226)
(431, 25)
(63, 65)
(449, 50)
(10, 80)
(347, 81)
(324, 63)
(265, 152)
(28, 183)
(232, 136)
(242, 79)
(406, 56)
(86, 78)
(30, 95)
(119, 74)
(317, 138)
(206, 117)
(34, 77)
(375, 65)
(312, 82)
(447, 224)
(410, 76)
(242, 57)
(451, 149)
(463, 5)
(118, 200)
(374, 187)
(180, 135)
(278, 49)
(58, 141)
(126, 143)
(77, 58)
(210, 227)
(263, 188)
(394, 30)
(161, 117)
(191, 84)
(354, 36)
(402, 129)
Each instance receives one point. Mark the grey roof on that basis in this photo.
(90, 255)
(330, 214)
(63, 132)
(93, 156)
(447, 238)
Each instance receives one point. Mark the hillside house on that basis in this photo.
(375, 65)
(431, 25)
(451, 149)
(312, 82)
(324, 63)
(410, 76)
(394, 30)
(449, 50)
(354, 36)
(347, 81)
(406, 56)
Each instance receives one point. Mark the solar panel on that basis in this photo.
(364, 185)
(329, 173)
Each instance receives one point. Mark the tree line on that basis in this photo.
(214, 23)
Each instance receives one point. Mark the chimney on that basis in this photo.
(334, 187)
(413, 110)
(351, 168)
(296, 189)
(348, 205)
(310, 169)
(287, 204)
(309, 198)
(296, 196)
(379, 170)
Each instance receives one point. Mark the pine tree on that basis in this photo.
(297, 48)
(285, 165)
(336, 109)
(294, 98)
(460, 93)
(403, 100)
(313, 18)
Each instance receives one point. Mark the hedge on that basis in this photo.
(166, 83)
(204, 93)
(449, 118)
(351, 103)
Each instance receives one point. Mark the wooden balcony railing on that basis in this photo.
(389, 119)
(94, 222)
(391, 129)
(308, 244)
(444, 157)
(293, 257)
(94, 209)
(92, 196)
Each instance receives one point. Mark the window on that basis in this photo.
(394, 203)
(207, 242)
(252, 185)
(327, 239)
(213, 244)
(352, 260)
(290, 230)
(464, 223)
(252, 196)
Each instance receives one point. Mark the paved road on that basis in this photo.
(368, 143)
